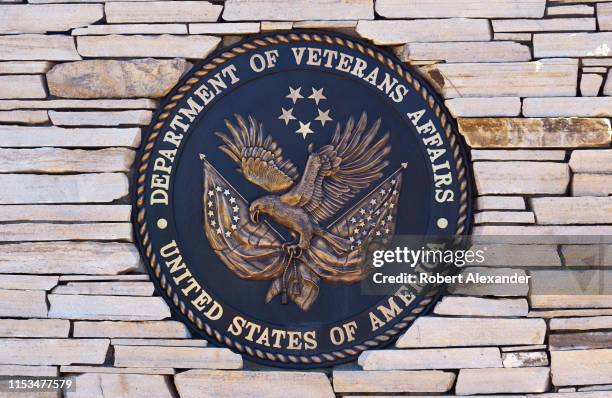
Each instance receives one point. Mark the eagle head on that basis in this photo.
(264, 205)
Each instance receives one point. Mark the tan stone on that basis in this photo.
(490, 289)
(27, 282)
(38, 47)
(69, 258)
(142, 29)
(567, 313)
(240, 28)
(48, 18)
(572, 45)
(580, 210)
(23, 303)
(435, 358)
(392, 381)
(580, 341)
(107, 288)
(604, 16)
(56, 160)
(100, 385)
(547, 77)
(453, 332)
(298, 10)
(524, 359)
(90, 278)
(587, 255)
(269, 384)
(560, 106)
(29, 67)
(24, 370)
(544, 25)
(579, 9)
(58, 232)
(545, 234)
(521, 177)
(65, 213)
(34, 328)
(485, 51)
(28, 137)
(162, 11)
(24, 117)
(32, 188)
(481, 107)
(162, 46)
(592, 185)
(582, 323)
(108, 369)
(176, 357)
(125, 308)
(22, 86)
(116, 78)
(79, 104)
(535, 133)
(113, 118)
(591, 161)
(505, 380)
(148, 329)
(477, 306)
(581, 367)
(590, 83)
(161, 342)
(426, 30)
(461, 8)
(518, 154)
(593, 69)
(506, 217)
(571, 289)
(268, 26)
(597, 62)
(53, 351)
(526, 37)
(500, 203)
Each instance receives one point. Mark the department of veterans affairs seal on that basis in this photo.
(269, 173)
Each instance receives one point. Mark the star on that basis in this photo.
(210, 213)
(304, 129)
(232, 200)
(211, 193)
(323, 117)
(228, 233)
(219, 230)
(373, 202)
(317, 95)
(218, 189)
(287, 115)
(226, 192)
(294, 94)
(210, 204)
(236, 218)
(353, 220)
(234, 227)
(235, 208)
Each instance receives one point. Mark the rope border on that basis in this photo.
(219, 59)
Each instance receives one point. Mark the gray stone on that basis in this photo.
(161, 342)
(107, 288)
(40, 232)
(591, 161)
(27, 282)
(56, 160)
(22, 86)
(239, 28)
(114, 118)
(24, 117)
(32, 137)
(505, 380)
(482, 107)
(24, 370)
(23, 304)
(79, 104)
(53, 351)
(484, 51)
(500, 203)
(65, 213)
(579, 9)
(34, 328)
(101, 385)
(524, 359)
(572, 45)
(587, 255)
(147, 329)
(176, 357)
(113, 370)
(545, 234)
(461, 8)
(435, 358)
(590, 83)
(23, 67)
(592, 185)
(568, 106)
(48, 18)
(151, 29)
(162, 11)
(504, 254)
(38, 47)
(544, 25)
(297, 10)
(580, 341)
(162, 46)
(571, 289)
(106, 78)
(582, 323)
(392, 381)
(521, 177)
(505, 217)
(568, 313)
(127, 308)
(604, 16)
(518, 154)
(478, 306)
(581, 367)
(579, 210)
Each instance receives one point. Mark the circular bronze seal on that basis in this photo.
(267, 177)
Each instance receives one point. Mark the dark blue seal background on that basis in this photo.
(262, 95)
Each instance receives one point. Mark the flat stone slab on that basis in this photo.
(505, 217)
(51, 136)
(23, 303)
(604, 16)
(298, 10)
(56, 160)
(153, 29)
(27, 282)
(518, 154)
(442, 358)
(101, 385)
(34, 327)
(139, 103)
(582, 323)
(484, 106)
(478, 306)
(579, 341)
(110, 369)
(581, 367)
(568, 106)
(500, 203)
(24, 370)
(24, 117)
(452, 332)
(162, 46)
(116, 118)
(483, 51)
(231, 28)
(19, 67)
(242, 384)
(26, 18)
(591, 184)
(535, 133)
(70, 258)
(22, 86)
(524, 359)
(544, 25)
(591, 161)
(505, 380)
(466, 8)
(572, 45)
(162, 11)
(176, 357)
(38, 232)
(103, 78)
(146, 329)
(580, 210)
(107, 288)
(392, 381)
(521, 177)
(70, 306)
(53, 351)
(547, 77)
(38, 47)
(587, 255)
(36, 188)
(425, 30)
(65, 213)
(519, 255)
(161, 342)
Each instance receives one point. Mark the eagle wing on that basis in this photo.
(260, 159)
(338, 171)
